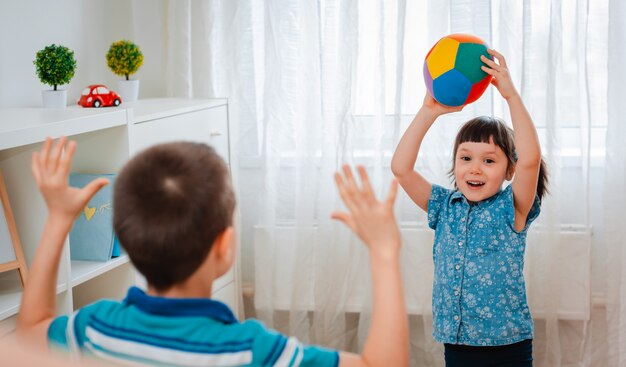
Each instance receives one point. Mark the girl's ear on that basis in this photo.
(510, 172)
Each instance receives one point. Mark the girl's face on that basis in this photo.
(480, 169)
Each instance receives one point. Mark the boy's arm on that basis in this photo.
(50, 168)
(526, 141)
(375, 224)
(403, 161)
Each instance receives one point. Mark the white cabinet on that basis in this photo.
(106, 138)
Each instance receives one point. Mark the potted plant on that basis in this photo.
(124, 58)
(55, 66)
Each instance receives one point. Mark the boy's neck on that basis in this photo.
(190, 288)
(197, 285)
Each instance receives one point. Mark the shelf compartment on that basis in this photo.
(11, 294)
(83, 271)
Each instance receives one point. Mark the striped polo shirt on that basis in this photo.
(156, 331)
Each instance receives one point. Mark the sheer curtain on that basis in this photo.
(615, 190)
(314, 84)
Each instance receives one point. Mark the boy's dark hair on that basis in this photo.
(171, 201)
(483, 128)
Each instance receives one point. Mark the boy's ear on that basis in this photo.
(223, 244)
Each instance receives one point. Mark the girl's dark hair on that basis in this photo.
(171, 202)
(484, 128)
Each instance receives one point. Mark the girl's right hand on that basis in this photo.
(437, 109)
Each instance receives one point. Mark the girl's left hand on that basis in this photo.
(500, 72)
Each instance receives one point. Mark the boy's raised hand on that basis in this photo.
(500, 72)
(372, 220)
(51, 169)
(375, 224)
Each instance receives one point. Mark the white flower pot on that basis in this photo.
(128, 90)
(54, 98)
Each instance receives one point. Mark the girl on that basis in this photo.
(480, 311)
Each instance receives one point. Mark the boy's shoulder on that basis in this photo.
(198, 328)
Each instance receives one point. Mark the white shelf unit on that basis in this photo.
(107, 138)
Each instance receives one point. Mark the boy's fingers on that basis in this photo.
(350, 182)
(393, 192)
(90, 190)
(345, 218)
(56, 153)
(34, 167)
(350, 189)
(45, 151)
(66, 161)
(344, 192)
(365, 183)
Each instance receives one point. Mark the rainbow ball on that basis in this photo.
(452, 70)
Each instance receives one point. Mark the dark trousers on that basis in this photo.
(513, 355)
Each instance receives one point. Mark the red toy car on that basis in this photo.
(98, 95)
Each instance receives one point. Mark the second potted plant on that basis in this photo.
(55, 66)
(124, 58)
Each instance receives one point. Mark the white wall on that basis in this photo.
(88, 27)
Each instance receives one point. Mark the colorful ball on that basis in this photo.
(452, 70)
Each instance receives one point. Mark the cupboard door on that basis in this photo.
(209, 126)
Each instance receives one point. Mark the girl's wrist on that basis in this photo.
(514, 96)
(429, 114)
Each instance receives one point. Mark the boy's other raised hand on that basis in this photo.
(500, 72)
(51, 168)
(372, 220)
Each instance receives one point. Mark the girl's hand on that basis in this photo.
(51, 169)
(501, 77)
(435, 108)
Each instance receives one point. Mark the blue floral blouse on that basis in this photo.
(479, 293)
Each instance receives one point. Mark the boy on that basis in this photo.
(173, 211)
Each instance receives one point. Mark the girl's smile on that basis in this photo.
(480, 169)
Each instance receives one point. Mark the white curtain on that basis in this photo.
(615, 189)
(314, 84)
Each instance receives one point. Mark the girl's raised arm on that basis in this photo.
(403, 161)
(526, 140)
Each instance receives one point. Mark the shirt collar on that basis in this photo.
(163, 306)
(457, 195)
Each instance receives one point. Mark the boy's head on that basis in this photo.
(483, 157)
(171, 202)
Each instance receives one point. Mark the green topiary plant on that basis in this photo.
(124, 58)
(55, 65)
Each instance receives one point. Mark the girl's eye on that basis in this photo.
(489, 160)
(464, 158)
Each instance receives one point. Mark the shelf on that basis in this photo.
(106, 138)
(24, 126)
(83, 271)
(11, 295)
(152, 109)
